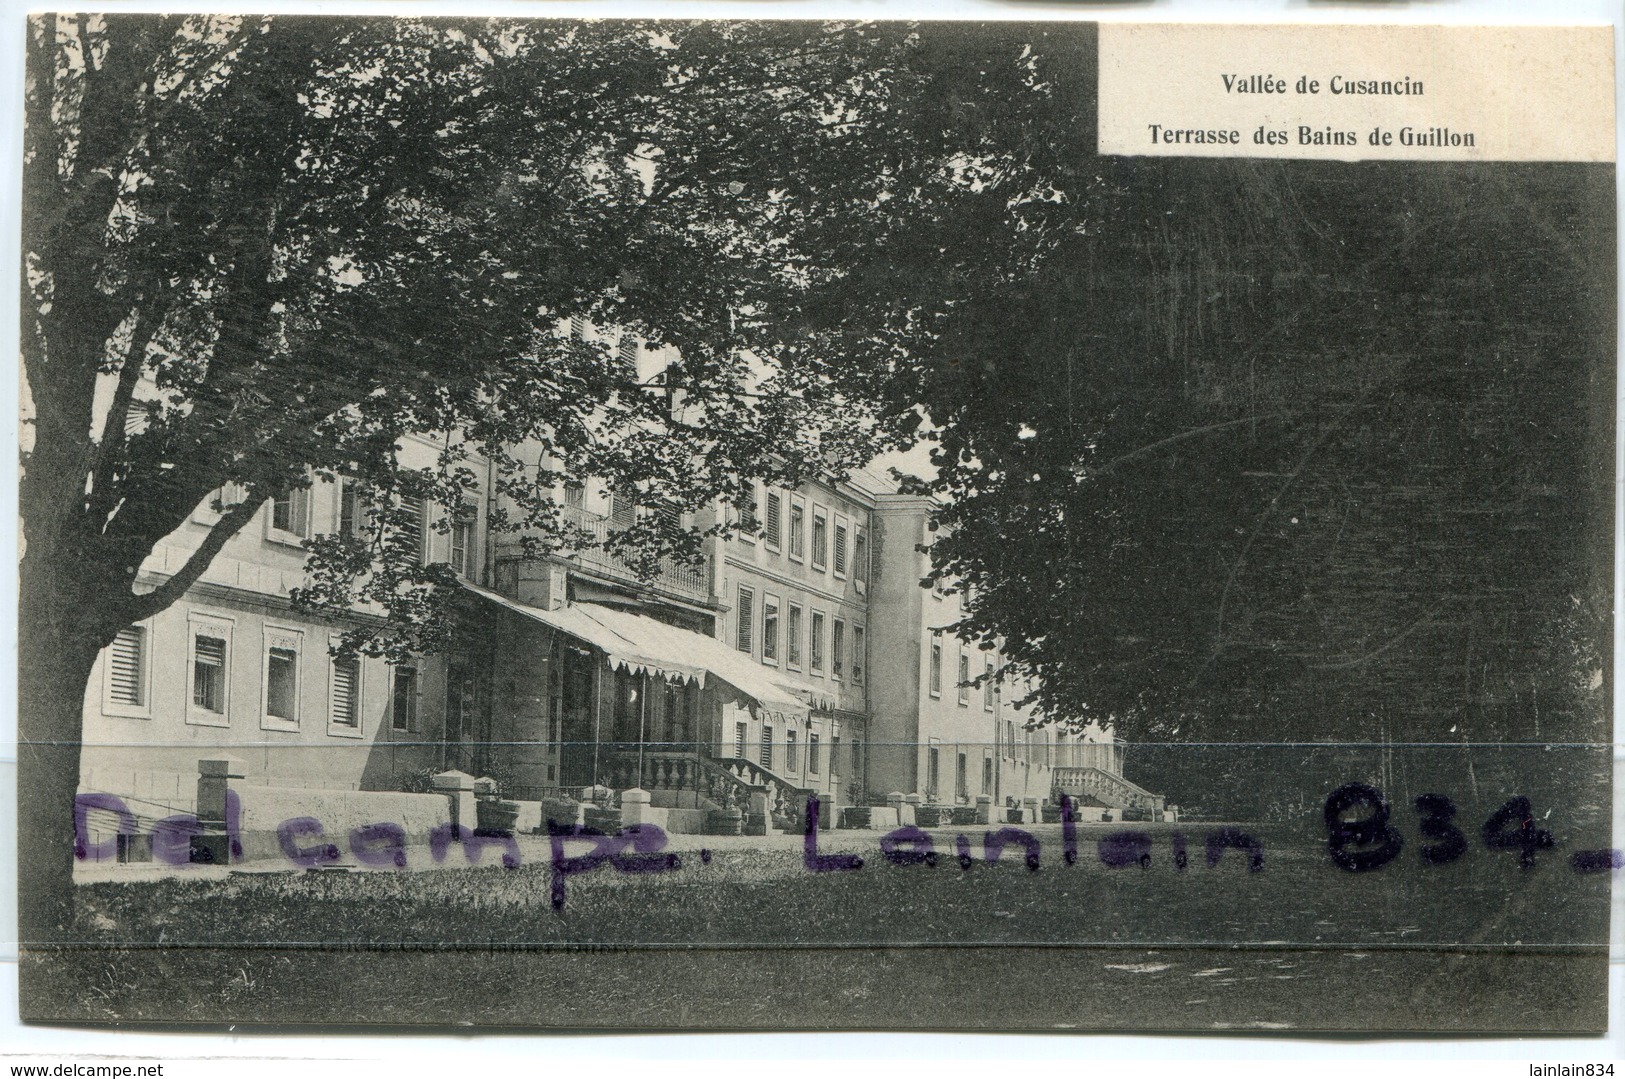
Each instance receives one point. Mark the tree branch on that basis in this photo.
(171, 590)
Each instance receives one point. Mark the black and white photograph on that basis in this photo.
(756, 525)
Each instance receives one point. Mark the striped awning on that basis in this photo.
(643, 645)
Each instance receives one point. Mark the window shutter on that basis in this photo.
(346, 692)
(124, 658)
(771, 529)
(747, 617)
(412, 525)
(623, 509)
(840, 548)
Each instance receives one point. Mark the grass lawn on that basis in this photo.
(752, 939)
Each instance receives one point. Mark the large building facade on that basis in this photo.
(800, 657)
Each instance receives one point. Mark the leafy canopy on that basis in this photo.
(260, 251)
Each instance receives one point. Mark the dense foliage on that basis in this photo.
(1292, 450)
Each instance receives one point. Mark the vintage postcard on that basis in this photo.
(661, 525)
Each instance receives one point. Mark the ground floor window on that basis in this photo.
(403, 705)
(282, 680)
(209, 673)
(127, 666)
(347, 691)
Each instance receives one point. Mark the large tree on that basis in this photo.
(259, 251)
(1284, 451)
(1255, 450)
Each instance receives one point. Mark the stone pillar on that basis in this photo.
(458, 787)
(635, 806)
(984, 809)
(1030, 812)
(911, 809)
(758, 815)
(894, 802)
(214, 845)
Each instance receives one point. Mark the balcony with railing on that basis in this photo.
(690, 580)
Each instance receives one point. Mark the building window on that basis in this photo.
(748, 523)
(1010, 736)
(747, 617)
(282, 678)
(933, 771)
(837, 649)
(459, 700)
(840, 548)
(770, 628)
(964, 679)
(815, 649)
(936, 668)
(462, 542)
(792, 752)
(219, 501)
(739, 740)
(792, 635)
(209, 672)
(812, 752)
(798, 527)
(626, 356)
(860, 555)
(346, 691)
(767, 747)
(987, 686)
(772, 522)
(411, 527)
(987, 775)
(623, 509)
(352, 513)
(403, 701)
(820, 538)
(961, 779)
(126, 667)
(290, 512)
(858, 654)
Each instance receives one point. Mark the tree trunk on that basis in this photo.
(58, 637)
